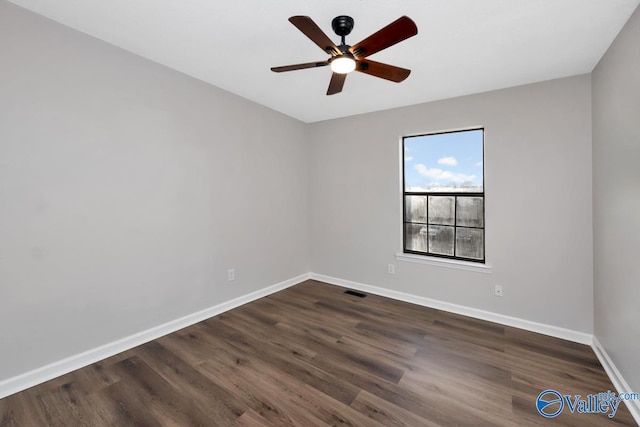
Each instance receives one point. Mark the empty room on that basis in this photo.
(435, 223)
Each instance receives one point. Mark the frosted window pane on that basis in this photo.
(470, 243)
(415, 237)
(416, 208)
(441, 209)
(470, 212)
(441, 240)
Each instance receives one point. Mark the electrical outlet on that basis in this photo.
(231, 275)
(391, 269)
(497, 291)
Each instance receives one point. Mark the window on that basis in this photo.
(443, 195)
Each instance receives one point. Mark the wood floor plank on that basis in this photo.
(251, 419)
(387, 413)
(158, 396)
(21, 409)
(261, 395)
(302, 395)
(65, 405)
(312, 355)
(214, 401)
(292, 362)
(126, 407)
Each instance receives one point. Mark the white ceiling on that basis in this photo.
(462, 46)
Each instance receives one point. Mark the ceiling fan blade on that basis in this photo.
(299, 66)
(384, 71)
(336, 83)
(311, 30)
(399, 30)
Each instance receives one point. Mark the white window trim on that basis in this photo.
(445, 262)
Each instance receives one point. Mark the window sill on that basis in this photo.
(447, 263)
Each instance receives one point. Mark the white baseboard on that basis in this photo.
(616, 378)
(541, 328)
(64, 366)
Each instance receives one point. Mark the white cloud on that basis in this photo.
(479, 164)
(439, 175)
(449, 161)
(407, 158)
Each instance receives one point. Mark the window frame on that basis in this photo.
(404, 194)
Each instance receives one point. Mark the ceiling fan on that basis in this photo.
(344, 58)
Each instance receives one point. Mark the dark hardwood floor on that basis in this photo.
(314, 356)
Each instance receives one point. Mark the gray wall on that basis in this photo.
(616, 200)
(538, 201)
(126, 192)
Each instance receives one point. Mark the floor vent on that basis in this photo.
(355, 294)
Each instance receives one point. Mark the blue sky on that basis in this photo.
(443, 159)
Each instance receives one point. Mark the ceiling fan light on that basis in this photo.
(343, 64)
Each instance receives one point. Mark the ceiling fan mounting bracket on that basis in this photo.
(342, 25)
